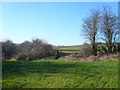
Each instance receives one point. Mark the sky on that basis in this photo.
(58, 23)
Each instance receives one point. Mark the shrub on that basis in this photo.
(9, 49)
(84, 52)
(104, 49)
(36, 49)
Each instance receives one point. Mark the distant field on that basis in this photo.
(77, 47)
(60, 74)
(74, 47)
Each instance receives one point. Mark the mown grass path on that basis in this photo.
(60, 74)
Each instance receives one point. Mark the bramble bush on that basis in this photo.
(36, 49)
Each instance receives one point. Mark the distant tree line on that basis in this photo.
(102, 25)
(36, 49)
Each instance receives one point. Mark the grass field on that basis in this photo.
(60, 74)
(74, 47)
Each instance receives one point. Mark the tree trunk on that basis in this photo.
(94, 48)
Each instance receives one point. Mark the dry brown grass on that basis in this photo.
(92, 58)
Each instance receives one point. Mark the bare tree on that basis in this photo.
(90, 28)
(109, 27)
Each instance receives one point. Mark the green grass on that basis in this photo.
(60, 74)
